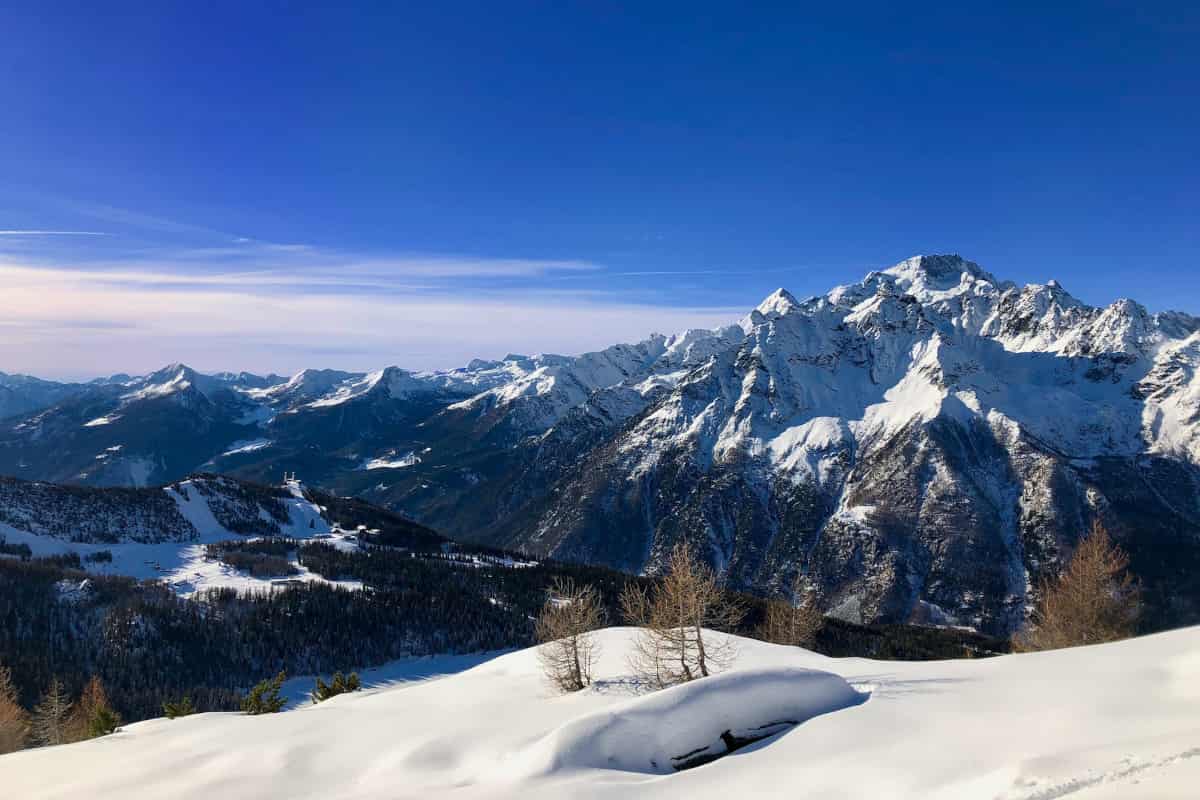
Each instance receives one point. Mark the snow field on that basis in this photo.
(1096, 723)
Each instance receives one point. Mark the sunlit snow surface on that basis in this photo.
(1115, 721)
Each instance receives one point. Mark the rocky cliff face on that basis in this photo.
(926, 444)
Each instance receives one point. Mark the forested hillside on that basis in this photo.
(148, 645)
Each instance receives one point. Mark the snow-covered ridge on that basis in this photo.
(921, 338)
(944, 297)
(542, 397)
(949, 291)
(1026, 727)
(21, 394)
(304, 385)
(929, 437)
(921, 295)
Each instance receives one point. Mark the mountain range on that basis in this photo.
(924, 445)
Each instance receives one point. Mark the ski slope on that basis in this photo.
(1112, 721)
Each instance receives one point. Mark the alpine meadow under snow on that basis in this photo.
(1096, 723)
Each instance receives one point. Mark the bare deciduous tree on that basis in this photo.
(14, 720)
(565, 628)
(1093, 600)
(792, 622)
(51, 715)
(671, 646)
(92, 715)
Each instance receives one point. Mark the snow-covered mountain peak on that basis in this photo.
(249, 380)
(178, 377)
(696, 345)
(160, 383)
(305, 386)
(1176, 324)
(1053, 291)
(927, 279)
(169, 371)
(15, 379)
(317, 378)
(397, 382)
(778, 303)
(476, 364)
(923, 276)
(359, 385)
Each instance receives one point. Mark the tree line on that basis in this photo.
(1092, 600)
(148, 647)
(56, 719)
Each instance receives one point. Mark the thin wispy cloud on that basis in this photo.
(140, 220)
(418, 315)
(722, 272)
(51, 233)
(327, 271)
(157, 290)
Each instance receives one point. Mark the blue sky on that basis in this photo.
(271, 186)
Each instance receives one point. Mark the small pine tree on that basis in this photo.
(322, 690)
(264, 698)
(103, 722)
(1094, 600)
(179, 708)
(14, 720)
(51, 716)
(339, 684)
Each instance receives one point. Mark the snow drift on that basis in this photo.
(687, 725)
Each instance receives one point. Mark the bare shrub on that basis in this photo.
(565, 628)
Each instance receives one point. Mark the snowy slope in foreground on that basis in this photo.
(1118, 720)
